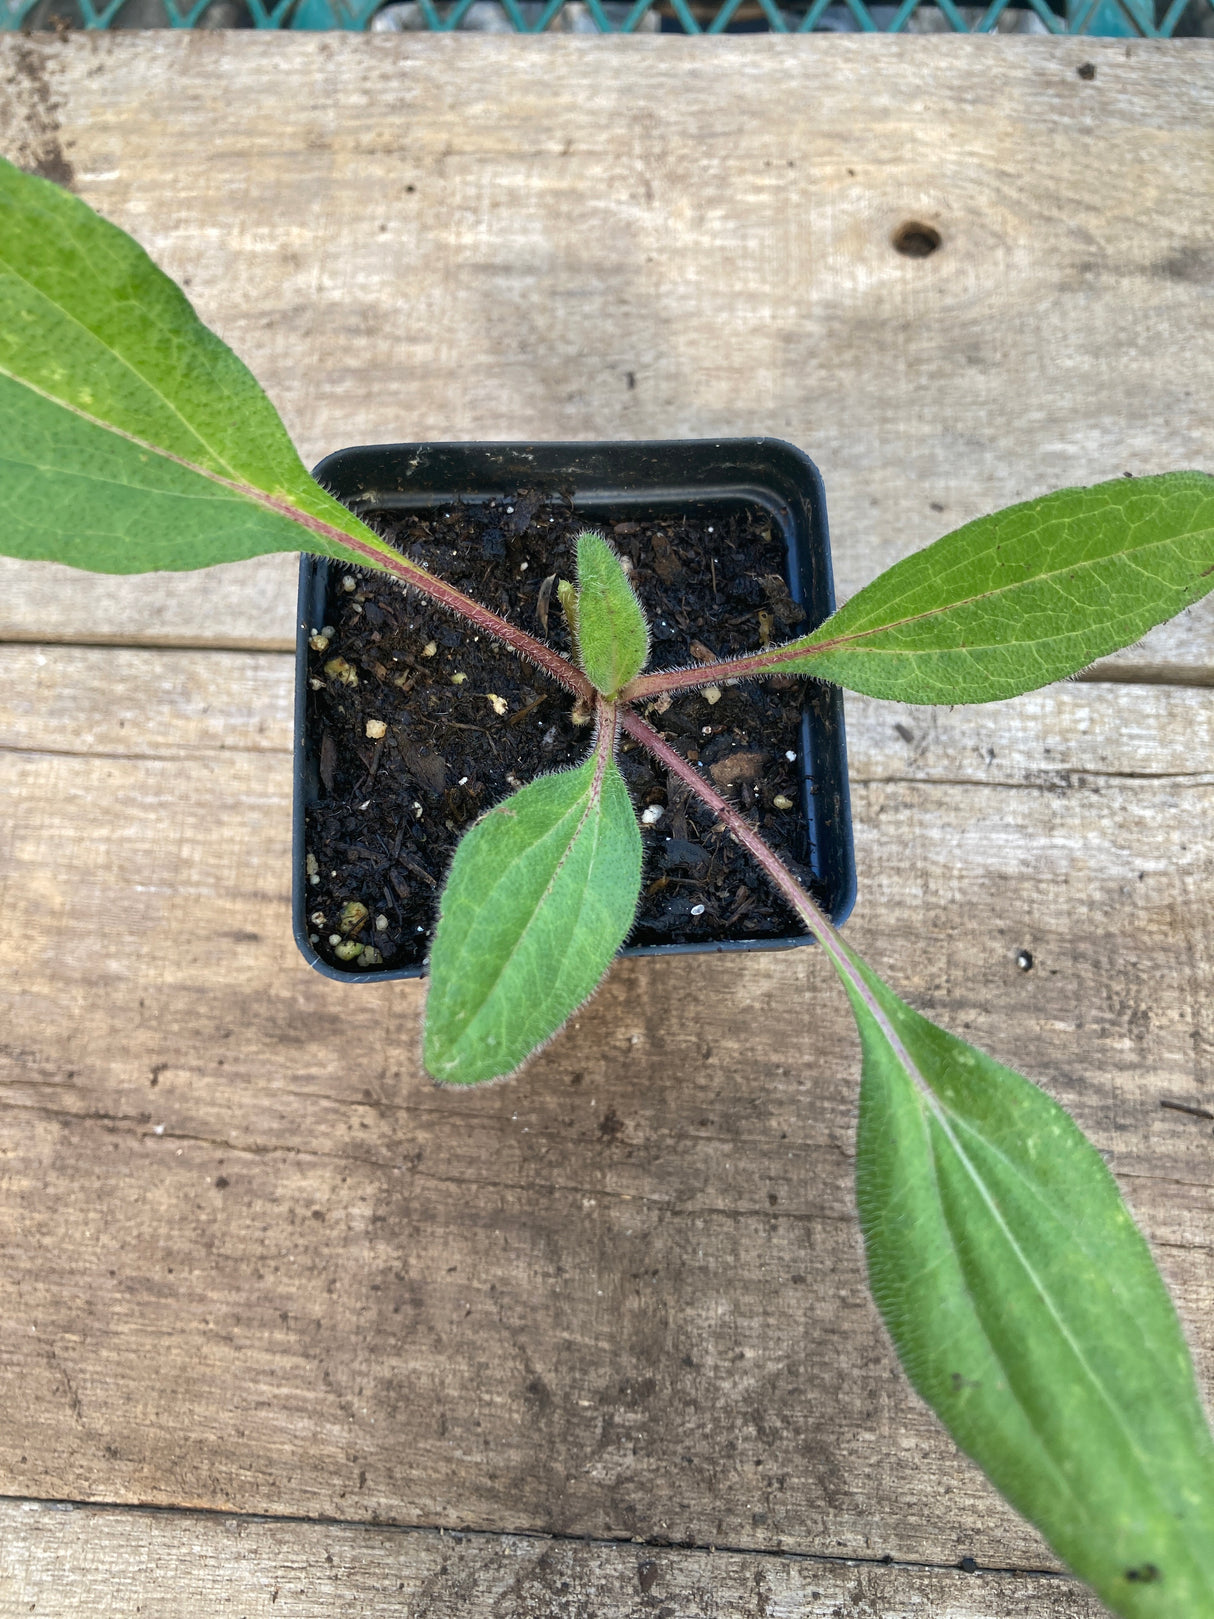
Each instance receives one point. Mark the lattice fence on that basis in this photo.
(1154, 19)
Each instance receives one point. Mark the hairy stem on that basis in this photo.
(607, 716)
(739, 828)
(816, 921)
(752, 667)
(391, 561)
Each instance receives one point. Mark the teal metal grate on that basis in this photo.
(1152, 19)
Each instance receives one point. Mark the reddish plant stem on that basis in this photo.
(607, 713)
(816, 921)
(752, 667)
(740, 829)
(481, 618)
(606, 733)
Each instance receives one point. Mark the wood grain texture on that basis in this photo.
(133, 703)
(258, 1263)
(92, 1563)
(246, 606)
(469, 237)
(254, 1261)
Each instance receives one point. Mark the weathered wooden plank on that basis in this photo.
(257, 1262)
(97, 1563)
(142, 704)
(237, 605)
(648, 237)
(1065, 735)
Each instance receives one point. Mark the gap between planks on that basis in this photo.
(184, 1559)
(1108, 671)
(140, 1509)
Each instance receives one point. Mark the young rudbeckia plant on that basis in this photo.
(1021, 1298)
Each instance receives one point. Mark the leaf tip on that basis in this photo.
(613, 632)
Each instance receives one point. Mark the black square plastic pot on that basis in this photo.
(606, 483)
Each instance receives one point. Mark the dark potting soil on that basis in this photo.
(420, 725)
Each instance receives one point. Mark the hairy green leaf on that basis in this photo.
(131, 438)
(613, 637)
(1024, 597)
(1028, 1313)
(541, 894)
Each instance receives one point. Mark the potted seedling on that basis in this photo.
(1021, 1298)
(410, 730)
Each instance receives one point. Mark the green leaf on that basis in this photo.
(613, 637)
(542, 892)
(1027, 1311)
(1024, 597)
(131, 438)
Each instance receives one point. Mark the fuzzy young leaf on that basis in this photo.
(131, 437)
(613, 637)
(541, 895)
(1028, 1312)
(1029, 595)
